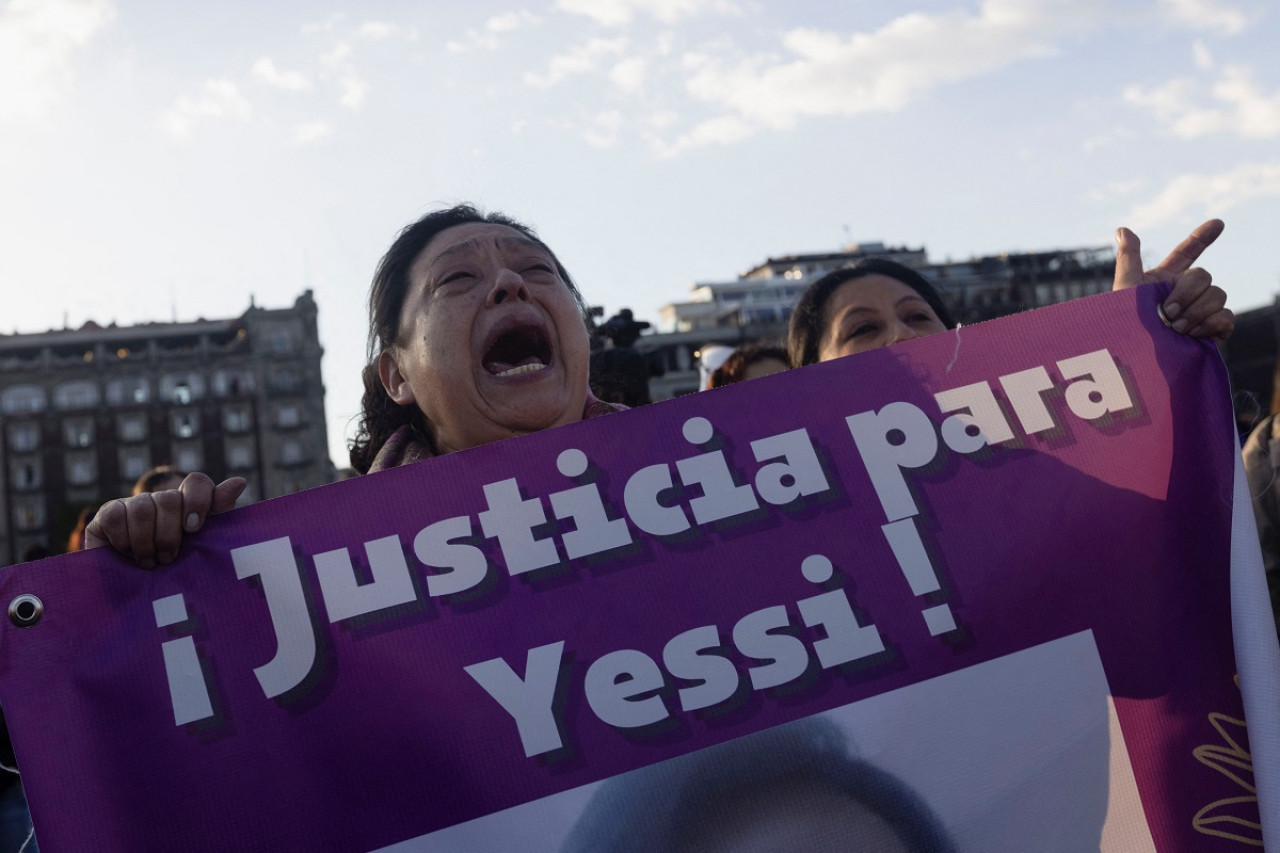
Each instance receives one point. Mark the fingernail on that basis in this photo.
(193, 521)
(1172, 310)
(1180, 326)
(147, 563)
(164, 559)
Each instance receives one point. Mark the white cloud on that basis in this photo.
(354, 89)
(312, 131)
(336, 55)
(218, 100)
(1201, 56)
(1208, 195)
(662, 119)
(1102, 140)
(324, 26)
(603, 131)
(39, 40)
(617, 13)
(1234, 104)
(629, 74)
(579, 60)
(511, 21)
(1115, 189)
(383, 30)
(475, 40)
(722, 130)
(830, 74)
(1206, 16)
(486, 38)
(290, 81)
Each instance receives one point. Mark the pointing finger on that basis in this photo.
(1182, 258)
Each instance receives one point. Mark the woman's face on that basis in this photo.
(491, 341)
(871, 312)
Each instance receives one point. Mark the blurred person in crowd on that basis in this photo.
(158, 479)
(750, 361)
(1262, 467)
(619, 372)
(709, 359)
(75, 541)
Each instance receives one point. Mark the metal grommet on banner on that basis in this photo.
(25, 610)
(1164, 318)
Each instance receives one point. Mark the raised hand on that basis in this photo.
(1196, 306)
(148, 528)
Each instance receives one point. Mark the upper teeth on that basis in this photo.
(524, 368)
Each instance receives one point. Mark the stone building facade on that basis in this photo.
(85, 411)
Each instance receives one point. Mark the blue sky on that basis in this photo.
(161, 159)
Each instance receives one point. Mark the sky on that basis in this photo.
(167, 161)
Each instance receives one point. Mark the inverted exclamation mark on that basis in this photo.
(913, 559)
(187, 689)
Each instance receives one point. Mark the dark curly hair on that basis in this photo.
(735, 366)
(804, 334)
(380, 416)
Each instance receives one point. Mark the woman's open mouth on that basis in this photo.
(518, 350)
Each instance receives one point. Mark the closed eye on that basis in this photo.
(455, 276)
(863, 329)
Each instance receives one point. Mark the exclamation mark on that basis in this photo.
(912, 558)
(187, 690)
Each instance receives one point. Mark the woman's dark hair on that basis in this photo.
(735, 366)
(672, 805)
(806, 328)
(380, 416)
(153, 477)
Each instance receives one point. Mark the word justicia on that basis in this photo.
(659, 501)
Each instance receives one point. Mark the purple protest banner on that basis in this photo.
(972, 592)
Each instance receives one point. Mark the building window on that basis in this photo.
(236, 419)
(24, 437)
(287, 415)
(182, 388)
(76, 395)
(281, 339)
(185, 425)
(22, 399)
(24, 474)
(290, 453)
(188, 459)
(81, 469)
(285, 379)
(134, 462)
(233, 383)
(239, 455)
(132, 427)
(128, 390)
(28, 515)
(78, 432)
